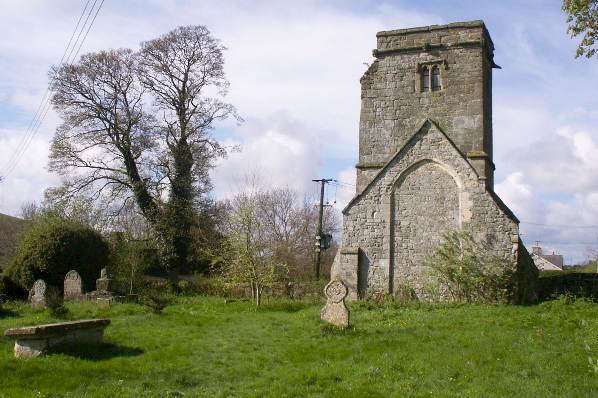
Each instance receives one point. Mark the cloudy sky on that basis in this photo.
(294, 68)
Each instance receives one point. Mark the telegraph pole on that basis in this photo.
(323, 182)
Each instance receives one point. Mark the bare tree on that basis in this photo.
(30, 210)
(291, 228)
(271, 236)
(250, 255)
(136, 127)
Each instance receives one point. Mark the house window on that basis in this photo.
(435, 78)
(425, 74)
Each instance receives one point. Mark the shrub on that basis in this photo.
(132, 259)
(468, 271)
(209, 286)
(10, 290)
(582, 285)
(55, 302)
(52, 247)
(156, 298)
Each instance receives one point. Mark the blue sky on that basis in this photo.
(294, 68)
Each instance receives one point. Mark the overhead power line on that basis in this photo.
(44, 106)
(343, 183)
(560, 225)
(41, 109)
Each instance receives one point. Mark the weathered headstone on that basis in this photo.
(37, 294)
(73, 285)
(104, 283)
(104, 293)
(335, 311)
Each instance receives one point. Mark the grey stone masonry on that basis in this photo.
(393, 101)
(34, 341)
(425, 160)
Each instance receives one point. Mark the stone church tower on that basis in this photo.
(425, 159)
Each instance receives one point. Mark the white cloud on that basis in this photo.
(28, 181)
(517, 194)
(555, 185)
(279, 150)
(294, 69)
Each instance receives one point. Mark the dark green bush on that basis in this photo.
(52, 247)
(581, 285)
(10, 290)
(156, 296)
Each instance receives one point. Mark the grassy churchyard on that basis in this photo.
(202, 347)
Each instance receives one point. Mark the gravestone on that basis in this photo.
(73, 285)
(104, 283)
(104, 293)
(335, 311)
(37, 294)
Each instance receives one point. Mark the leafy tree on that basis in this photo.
(137, 127)
(52, 247)
(132, 259)
(582, 17)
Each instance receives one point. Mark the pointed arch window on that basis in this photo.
(436, 78)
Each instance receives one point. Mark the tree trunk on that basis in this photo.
(179, 215)
(258, 296)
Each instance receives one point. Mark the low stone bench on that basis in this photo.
(33, 341)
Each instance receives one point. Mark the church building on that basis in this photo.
(425, 160)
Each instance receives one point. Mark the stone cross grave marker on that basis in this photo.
(37, 294)
(73, 285)
(335, 311)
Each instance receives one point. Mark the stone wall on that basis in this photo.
(427, 189)
(425, 207)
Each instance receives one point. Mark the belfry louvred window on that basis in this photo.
(430, 78)
(425, 79)
(435, 78)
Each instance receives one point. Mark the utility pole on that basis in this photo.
(323, 182)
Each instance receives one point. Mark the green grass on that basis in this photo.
(201, 347)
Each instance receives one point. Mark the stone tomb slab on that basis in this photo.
(34, 341)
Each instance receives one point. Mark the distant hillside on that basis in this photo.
(10, 231)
